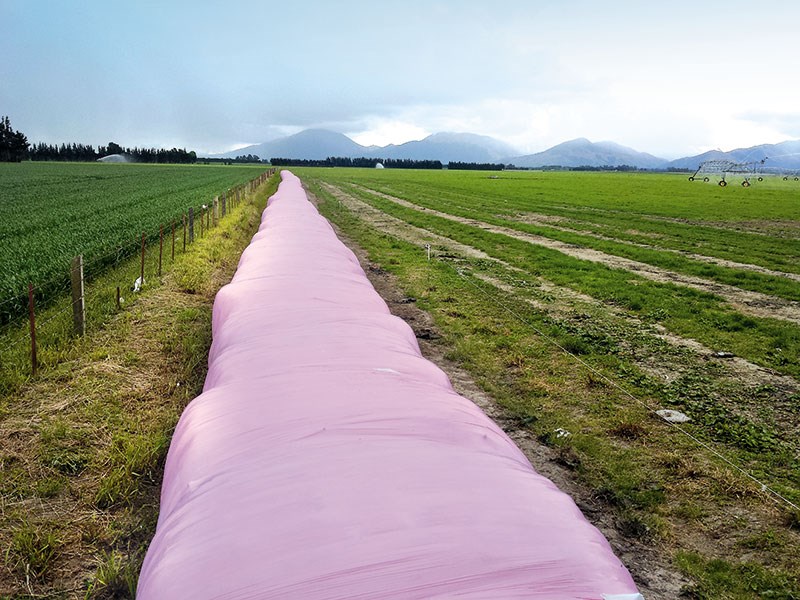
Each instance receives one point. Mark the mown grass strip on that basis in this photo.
(744, 279)
(758, 225)
(655, 481)
(601, 339)
(684, 311)
(774, 251)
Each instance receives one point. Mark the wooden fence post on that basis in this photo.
(173, 240)
(141, 271)
(216, 210)
(191, 224)
(119, 302)
(184, 232)
(202, 218)
(224, 199)
(160, 247)
(32, 320)
(78, 302)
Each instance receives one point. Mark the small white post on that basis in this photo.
(78, 301)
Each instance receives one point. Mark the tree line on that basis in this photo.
(13, 144)
(14, 147)
(625, 168)
(389, 163)
(241, 159)
(88, 153)
(471, 166)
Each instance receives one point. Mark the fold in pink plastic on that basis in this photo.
(327, 459)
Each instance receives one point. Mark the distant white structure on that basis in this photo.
(379, 166)
(115, 158)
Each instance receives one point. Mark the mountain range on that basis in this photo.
(583, 153)
(318, 144)
(784, 156)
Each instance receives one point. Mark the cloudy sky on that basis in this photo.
(672, 78)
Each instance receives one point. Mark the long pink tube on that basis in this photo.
(327, 459)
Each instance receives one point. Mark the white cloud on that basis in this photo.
(534, 74)
(382, 132)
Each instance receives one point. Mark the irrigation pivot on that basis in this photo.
(722, 168)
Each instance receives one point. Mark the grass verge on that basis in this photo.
(82, 445)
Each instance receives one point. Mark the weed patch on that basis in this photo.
(33, 549)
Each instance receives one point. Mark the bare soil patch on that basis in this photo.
(652, 570)
(784, 228)
(565, 303)
(749, 303)
(547, 220)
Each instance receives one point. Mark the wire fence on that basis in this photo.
(125, 267)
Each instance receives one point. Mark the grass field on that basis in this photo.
(580, 302)
(583, 302)
(51, 212)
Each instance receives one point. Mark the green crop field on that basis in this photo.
(51, 212)
(583, 302)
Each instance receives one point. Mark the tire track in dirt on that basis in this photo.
(754, 304)
(746, 372)
(769, 228)
(666, 369)
(547, 221)
(652, 569)
(650, 565)
(405, 231)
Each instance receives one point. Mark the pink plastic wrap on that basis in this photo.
(327, 459)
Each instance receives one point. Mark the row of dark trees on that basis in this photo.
(64, 152)
(13, 144)
(14, 147)
(343, 161)
(247, 158)
(389, 163)
(625, 168)
(471, 166)
(88, 153)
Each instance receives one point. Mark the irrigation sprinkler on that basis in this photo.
(723, 168)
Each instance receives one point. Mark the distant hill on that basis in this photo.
(317, 144)
(446, 147)
(583, 153)
(311, 144)
(783, 156)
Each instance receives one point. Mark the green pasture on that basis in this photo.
(717, 526)
(759, 225)
(685, 311)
